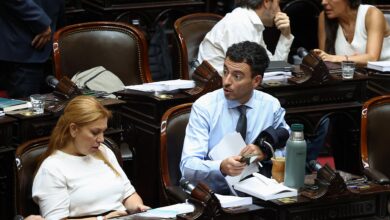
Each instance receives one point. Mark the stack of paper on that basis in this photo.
(164, 86)
(276, 76)
(163, 212)
(383, 66)
(233, 201)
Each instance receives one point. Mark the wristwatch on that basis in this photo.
(99, 217)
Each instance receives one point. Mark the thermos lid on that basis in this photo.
(297, 127)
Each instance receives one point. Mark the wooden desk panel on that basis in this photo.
(141, 118)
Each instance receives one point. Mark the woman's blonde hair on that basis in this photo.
(82, 110)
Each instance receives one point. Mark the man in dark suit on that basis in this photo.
(26, 29)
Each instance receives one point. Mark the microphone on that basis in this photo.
(302, 52)
(187, 186)
(314, 165)
(18, 217)
(52, 81)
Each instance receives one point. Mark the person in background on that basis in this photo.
(246, 23)
(79, 176)
(26, 29)
(348, 30)
(217, 113)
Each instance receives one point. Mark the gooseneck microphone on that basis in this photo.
(52, 81)
(302, 52)
(314, 165)
(187, 186)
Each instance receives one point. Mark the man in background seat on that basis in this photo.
(246, 23)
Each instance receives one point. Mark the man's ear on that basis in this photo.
(256, 81)
(73, 129)
(267, 3)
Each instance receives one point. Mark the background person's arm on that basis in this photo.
(321, 31)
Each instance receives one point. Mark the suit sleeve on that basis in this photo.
(29, 12)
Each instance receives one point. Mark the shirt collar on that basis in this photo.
(234, 103)
(254, 18)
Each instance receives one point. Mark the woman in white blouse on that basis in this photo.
(79, 176)
(348, 30)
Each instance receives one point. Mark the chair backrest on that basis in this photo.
(303, 16)
(190, 31)
(120, 48)
(173, 128)
(375, 138)
(27, 155)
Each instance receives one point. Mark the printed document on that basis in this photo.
(231, 145)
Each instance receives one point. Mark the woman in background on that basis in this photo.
(79, 176)
(348, 30)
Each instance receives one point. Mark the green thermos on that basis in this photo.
(294, 175)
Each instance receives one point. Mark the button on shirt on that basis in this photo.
(241, 24)
(212, 117)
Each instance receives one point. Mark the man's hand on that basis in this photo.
(282, 22)
(254, 150)
(41, 39)
(232, 166)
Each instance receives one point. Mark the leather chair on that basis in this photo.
(303, 16)
(173, 127)
(120, 48)
(375, 138)
(190, 31)
(27, 155)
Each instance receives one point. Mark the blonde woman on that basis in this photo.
(79, 177)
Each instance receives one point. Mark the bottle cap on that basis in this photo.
(297, 127)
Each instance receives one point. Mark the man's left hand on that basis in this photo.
(254, 150)
(282, 22)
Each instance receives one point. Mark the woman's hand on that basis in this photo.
(142, 208)
(327, 57)
(114, 214)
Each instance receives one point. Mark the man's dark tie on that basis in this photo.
(241, 123)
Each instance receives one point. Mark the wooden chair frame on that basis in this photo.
(164, 158)
(183, 49)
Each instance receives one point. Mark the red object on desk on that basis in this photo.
(3, 94)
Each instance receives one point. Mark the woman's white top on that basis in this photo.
(71, 186)
(359, 42)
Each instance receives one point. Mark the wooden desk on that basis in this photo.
(141, 119)
(363, 203)
(6, 124)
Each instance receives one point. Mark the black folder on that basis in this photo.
(279, 65)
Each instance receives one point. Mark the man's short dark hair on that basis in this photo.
(250, 53)
(252, 4)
